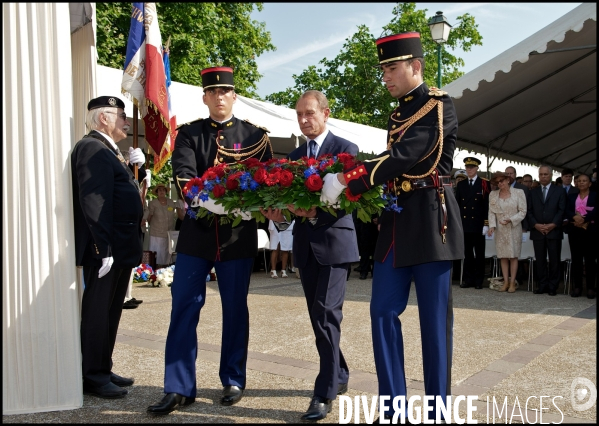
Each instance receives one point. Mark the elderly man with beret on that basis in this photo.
(108, 239)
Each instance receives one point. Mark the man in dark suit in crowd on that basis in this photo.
(108, 238)
(324, 246)
(545, 215)
(205, 243)
(567, 175)
(472, 195)
(421, 241)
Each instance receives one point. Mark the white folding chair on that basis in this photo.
(528, 253)
(263, 245)
(491, 253)
(566, 256)
(173, 236)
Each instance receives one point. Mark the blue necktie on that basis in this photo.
(312, 149)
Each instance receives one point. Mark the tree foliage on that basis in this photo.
(202, 35)
(352, 84)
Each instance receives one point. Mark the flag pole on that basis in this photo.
(135, 133)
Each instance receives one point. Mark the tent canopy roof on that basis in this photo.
(536, 102)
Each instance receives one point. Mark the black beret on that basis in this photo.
(471, 161)
(105, 101)
(217, 77)
(399, 47)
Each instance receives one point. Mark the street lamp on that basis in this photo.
(440, 33)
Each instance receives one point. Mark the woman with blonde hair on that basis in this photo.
(507, 209)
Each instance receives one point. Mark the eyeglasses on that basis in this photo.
(122, 115)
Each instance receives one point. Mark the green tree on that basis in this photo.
(352, 84)
(202, 35)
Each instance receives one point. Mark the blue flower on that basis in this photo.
(309, 172)
(191, 213)
(254, 185)
(204, 196)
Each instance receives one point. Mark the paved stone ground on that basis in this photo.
(507, 347)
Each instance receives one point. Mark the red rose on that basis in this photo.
(209, 175)
(286, 178)
(232, 184)
(311, 162)
(218, 191)
(273, 178)
(251, 162)
(352, 197)
(314, 182)
(260, 175)
(219, 170)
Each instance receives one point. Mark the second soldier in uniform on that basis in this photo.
(205, 243)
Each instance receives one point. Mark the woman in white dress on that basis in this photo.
(507, 209)
(281, 241)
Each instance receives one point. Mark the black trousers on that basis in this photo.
(101, 310)
(583, 245)
(474, 260)
(548, 275)
(324, 288)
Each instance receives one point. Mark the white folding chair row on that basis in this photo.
(263, 245)
(528, 253)
(173, 236)
(566, 256)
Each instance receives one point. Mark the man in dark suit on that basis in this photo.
(324, 246)
(545, 215)
(205, 243)
(108, 239)
(421, 241)
(567, 175)
(472, 195)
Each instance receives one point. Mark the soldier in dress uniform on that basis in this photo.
(473, 198)
(423, 239)
(108, 240)
(205, 243)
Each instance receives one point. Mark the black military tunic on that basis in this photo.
(416, 232)
(196, 148)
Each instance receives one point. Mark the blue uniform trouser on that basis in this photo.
(390, 292)
(189, 295)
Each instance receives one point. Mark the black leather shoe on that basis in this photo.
(318, 409)
(478, 287)
(341, 388)
(108, 391)
(576, 292)
(136, 301)
(539, 291)
(231, 395)
(464, 285)
(552, 293)
(591, 294)
(363, 275)
(169, 403)
(121, 381)
(130, 305)
(357, 269)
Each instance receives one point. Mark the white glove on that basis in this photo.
(331, 189)
(136, 156)
(148, 178)
(244, 215)
(485, 230)
(211, 206)
(105, 268)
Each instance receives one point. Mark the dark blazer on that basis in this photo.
(107, 205)
(591, 216)
(573, 190)
(550, 211)
(415, 233)
(527, 196)
(195, 152)
(474, 204)
(333, 239)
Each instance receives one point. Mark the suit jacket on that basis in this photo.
(194, 153)
(474, 204)
(573, 190)
(527, 196)
(107, 205)
(550, 211)
(332, 239)
(590, 217)
(415, 233)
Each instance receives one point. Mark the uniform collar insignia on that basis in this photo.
(408, 99)
(436, 92)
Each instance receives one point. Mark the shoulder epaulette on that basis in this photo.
(189, 122)
(436, 92)
(484, 179)
(255, 125)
